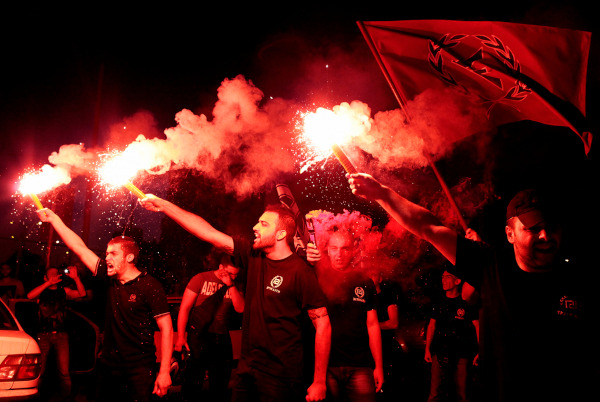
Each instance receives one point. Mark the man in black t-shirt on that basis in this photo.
(538, 311)
(355, 369)
(280, 288)
(136, 303)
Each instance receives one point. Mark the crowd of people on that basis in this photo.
(529, 331)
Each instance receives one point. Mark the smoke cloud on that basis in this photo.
(251, 142)
(434, 122)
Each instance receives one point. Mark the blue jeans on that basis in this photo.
(59, 342)
(444, 373)
(351, 384)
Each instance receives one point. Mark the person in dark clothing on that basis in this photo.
(355, 370)
(52, 328)
(136, 303)
(280, 289)
(538, 309)
(452, 342)
(388, 298)
(207, 305)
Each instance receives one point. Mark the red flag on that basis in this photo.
(518, 71)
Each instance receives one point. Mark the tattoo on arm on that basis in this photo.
(317, 313)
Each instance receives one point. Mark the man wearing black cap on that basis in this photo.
(536, 321)
(533, 232)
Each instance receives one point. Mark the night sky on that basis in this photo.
(165, 59)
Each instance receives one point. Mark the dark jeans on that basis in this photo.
(251, 385)
(209, 354)
(59, 342)
(351, 384)
(125, 383)
(446, 372)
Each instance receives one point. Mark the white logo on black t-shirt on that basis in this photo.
(275, 283)
(360, 294)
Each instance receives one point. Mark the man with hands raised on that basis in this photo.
(135, 302)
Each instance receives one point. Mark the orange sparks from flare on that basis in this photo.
(325, 130)
(39, 182)
(118, 171)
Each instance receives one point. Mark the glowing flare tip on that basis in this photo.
(116, 171)
(324, 129)
(44, 180)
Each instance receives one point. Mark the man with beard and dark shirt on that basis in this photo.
(537, 312)
(280, 288)
(136, 302)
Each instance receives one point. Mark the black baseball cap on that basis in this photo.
(529, 206)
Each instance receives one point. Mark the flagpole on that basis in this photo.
(399, 97)
(402, 102)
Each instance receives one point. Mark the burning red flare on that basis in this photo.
(119, 170)
(46, 179)
(324, 131)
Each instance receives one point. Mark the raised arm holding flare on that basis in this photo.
(135, 301)
(414, 218)
(280, 288)
(71, 239)
(191, 222)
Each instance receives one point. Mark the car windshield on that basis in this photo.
(6, 319)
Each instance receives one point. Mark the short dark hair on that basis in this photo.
(128, 245)
(286, 221)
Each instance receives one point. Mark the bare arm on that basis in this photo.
(476, 325)
(163, 378)
(71, 239)
(414, 218)
(193, 223)
(37, 291)
(320, 320)
(430, 332)
(237, 299)
(392, 322)
(375, 346)
(187, 303)
(80, 291)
